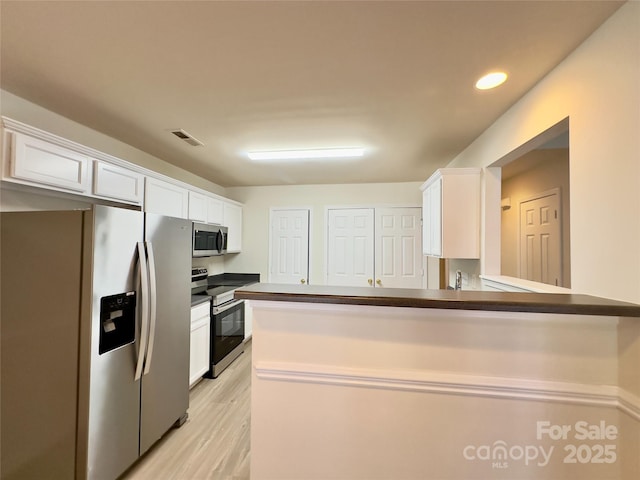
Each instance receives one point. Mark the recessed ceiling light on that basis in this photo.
(307, 154)
(491, 80)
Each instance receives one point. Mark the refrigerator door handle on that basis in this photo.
(152, 301)
(144, 283)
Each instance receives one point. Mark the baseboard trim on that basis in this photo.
(610, 396)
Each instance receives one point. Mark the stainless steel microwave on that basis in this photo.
(209, 240)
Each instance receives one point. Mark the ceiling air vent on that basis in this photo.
(190, 139)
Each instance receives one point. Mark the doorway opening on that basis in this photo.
(535, 209)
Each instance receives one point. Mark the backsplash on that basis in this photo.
(215, 265)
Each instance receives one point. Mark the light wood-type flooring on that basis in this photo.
(214, 442)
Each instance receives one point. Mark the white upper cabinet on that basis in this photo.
(36, 158)
(451, 210)
(41, 162)
(205, 209)
(215, 211)
(165, 198)
(233, 220)
(117, 183)
(197, 207)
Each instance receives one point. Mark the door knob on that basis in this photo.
(379, 282)
(303, 281)
(370, 281)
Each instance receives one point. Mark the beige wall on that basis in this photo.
(550, 170)
(598, 88)
(36, 116)
(259, 200)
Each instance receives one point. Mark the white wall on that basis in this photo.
(258, 200)
(598, 88)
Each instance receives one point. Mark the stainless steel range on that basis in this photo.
(227, 319)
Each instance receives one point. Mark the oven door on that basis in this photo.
(227, 329)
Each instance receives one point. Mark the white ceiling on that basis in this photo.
(396, 77)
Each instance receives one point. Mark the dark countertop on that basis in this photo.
(198, 299)
(222, 283)
(446, 299)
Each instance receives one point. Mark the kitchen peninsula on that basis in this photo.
(380, 383)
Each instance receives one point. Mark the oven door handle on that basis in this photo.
(224, 308)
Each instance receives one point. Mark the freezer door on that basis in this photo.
(114, 394)
(165, 382)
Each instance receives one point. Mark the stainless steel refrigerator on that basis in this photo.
(94, 333)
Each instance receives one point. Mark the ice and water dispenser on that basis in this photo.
(117, 321)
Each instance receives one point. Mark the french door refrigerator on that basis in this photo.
(95, 339)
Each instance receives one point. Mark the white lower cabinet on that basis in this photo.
(200, 341)
(165, 198)
(37, 161)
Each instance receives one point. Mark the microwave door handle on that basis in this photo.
(219, 241)
(153, 299)
(143, 278)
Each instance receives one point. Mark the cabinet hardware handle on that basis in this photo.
(379, 282)
(303, 281)
(370, 281)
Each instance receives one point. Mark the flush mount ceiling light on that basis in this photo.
(491, 80)
(307, 154)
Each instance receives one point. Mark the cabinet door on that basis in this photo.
(164, 198)
(215, 211)
(233, 220)
(118, 183)
(41, 162)
(435, 217)
(197, 207)
(426, 218)
(199, 353)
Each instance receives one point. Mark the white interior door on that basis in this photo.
(289, 246)
(540, 239)
(398, 247)
(350, 247)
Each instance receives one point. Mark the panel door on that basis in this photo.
(350, 245)
(398, 247)
(289, 246)
(540, 240)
